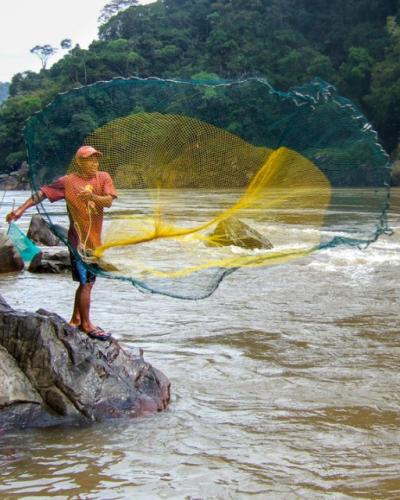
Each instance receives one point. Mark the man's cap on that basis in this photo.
(87, 152)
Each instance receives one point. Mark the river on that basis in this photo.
(285, 384)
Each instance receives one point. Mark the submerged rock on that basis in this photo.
(53, 374)
(233, 231)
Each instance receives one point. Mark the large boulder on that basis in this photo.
(51, 260)
(40, 232)
(54, 255)
(52, 374)
(233, 231)
(20, 403)
(15, 180)
(10, 260)
(8, 182)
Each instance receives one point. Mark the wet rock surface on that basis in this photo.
(51, 260)
(53, 374)
(39, 232)
(10, 259)
(54, 255)
(233, 231)
(15, 180)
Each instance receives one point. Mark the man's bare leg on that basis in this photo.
(84, 307)
(81, 312)
(76, 315)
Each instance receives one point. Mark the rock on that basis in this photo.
(395, 174)
(8, 183)
(395, 164)
(40, 232)
(51, 260)
(54, 256)
(19, 401)
(15, 180)
(53, 374)
(10, 260)
(232, 231)
(57, 260)
(3, 305)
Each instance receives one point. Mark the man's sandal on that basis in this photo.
(99, 334)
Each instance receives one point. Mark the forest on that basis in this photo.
(4, 86)
(352, 44)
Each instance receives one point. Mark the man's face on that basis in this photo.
(87, 167)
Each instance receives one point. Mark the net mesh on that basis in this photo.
(26, 248)
(211, 176)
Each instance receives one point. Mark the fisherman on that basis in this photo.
(87, 192)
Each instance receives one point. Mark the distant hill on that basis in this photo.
(4, 88)
(354, 44)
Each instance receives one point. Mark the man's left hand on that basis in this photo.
(86, 196)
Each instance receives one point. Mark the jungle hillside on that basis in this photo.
(353, 44)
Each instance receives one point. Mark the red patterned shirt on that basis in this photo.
(86, 218)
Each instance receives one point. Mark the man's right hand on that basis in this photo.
(30, 202)
(13, 215)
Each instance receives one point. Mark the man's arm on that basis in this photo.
(33, 200)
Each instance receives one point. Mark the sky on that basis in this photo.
(26, 23)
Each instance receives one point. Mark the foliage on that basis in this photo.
(113, 7)
(383, 97)
(13, 113)
(66, 43)
(354, 44)
(4, 91)
(44, 52)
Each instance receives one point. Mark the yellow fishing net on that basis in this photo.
(171, 156)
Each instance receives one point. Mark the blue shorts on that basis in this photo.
(80, 273)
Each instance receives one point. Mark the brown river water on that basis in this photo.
(285, 384)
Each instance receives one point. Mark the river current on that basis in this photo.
(285, 383)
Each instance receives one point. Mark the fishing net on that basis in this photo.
(210, 176)
(25, 247)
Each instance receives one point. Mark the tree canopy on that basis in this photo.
(4, 86)
(44, 52)
(353, 44)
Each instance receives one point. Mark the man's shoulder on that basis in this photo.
(105, 177)
(71, 175)
(102, 175)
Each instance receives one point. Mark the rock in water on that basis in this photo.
(20, 404)
(40, 232)
(233, 231)
(10, 259)
(51, 260)
(53, 374)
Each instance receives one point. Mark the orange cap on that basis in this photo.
(87, 151)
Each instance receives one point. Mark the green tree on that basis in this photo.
(44, 52)
(4, 91)
(66, 43)
(356, 71)
(383, 98)
(13, 115)
(113, 7)
(354, 44)
(25, 83)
